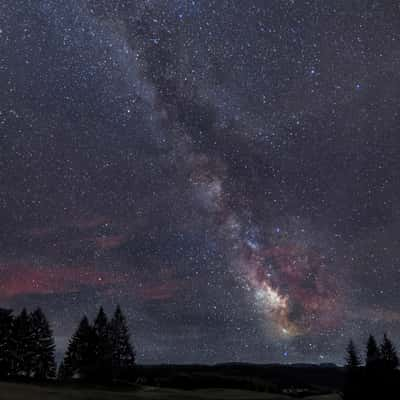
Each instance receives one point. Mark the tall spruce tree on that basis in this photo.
(352, 358)
(103, 346)
(44, 365)
(373, 357)
(80, 357)
(22, 345)
(123, 355)
(6, 326)
(389, 356)
(352, 388)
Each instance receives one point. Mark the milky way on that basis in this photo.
(227, 171)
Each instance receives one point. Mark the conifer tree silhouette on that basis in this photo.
(43, 363)
(373, 357)
(6, 326)
(389, 356)
(22, 345)
(123, 355)
(352, 388)
(102, 346)
(100, 352)
(352, 358)
(380, 379)
(80, 357)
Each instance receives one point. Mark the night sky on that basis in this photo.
(227, 171)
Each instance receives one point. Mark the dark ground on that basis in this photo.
(312, 379)
(224, 381)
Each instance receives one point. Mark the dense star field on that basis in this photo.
(227, 171)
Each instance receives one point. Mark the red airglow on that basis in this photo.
(157, 291)
(110, 242)
(25, 279)
(22, 279)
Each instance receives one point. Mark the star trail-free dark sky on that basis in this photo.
(227, 171)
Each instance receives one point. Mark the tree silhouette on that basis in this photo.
(102, 346)
(352, 387)
(389, 354)
(123, 355)
(380, 379)
(43, 363)
(352, 358)
(80, 357)
(22, 345)
(6, 326)
(373, 353)
(99, 352)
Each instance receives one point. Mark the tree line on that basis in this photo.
(26, 345)
(378, 377)
(101, 351)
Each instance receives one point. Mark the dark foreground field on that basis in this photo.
(13, 391)
(226, 381)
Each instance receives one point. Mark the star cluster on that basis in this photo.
(227, 171)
